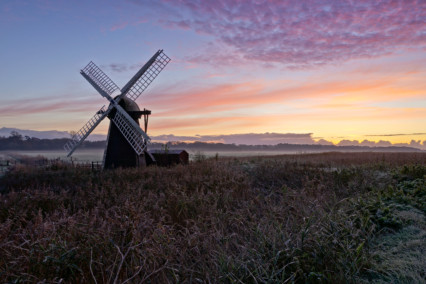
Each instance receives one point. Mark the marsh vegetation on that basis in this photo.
(331, 217)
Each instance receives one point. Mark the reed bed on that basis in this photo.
(314, 218)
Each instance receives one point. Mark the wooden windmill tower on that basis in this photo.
(126, 142)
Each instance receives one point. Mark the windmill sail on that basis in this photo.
(82, 134)
(143, 78)
(126, 127)
(130, 132)
(98, 79)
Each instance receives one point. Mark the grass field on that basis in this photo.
(313, 218)
(93, 155)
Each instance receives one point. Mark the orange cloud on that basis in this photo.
(254, 95)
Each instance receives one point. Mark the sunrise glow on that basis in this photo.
(336, 71)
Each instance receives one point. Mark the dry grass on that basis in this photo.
(299, 218)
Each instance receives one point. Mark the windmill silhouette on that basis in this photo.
(126, 142)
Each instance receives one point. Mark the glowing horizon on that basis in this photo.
(337, 70)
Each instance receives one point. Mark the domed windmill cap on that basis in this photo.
(129, 105)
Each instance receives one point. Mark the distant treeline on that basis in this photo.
(17, 142)
(203, 146)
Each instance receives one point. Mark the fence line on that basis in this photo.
(6, 164)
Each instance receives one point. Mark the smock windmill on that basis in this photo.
(126, 142)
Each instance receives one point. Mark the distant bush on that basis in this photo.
(199, 156)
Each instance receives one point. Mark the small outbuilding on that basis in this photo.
(166, 158)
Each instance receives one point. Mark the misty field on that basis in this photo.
(96, 155)
(331, 217)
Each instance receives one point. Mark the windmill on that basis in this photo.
(126, 141)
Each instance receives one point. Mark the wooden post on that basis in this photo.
(145, 119)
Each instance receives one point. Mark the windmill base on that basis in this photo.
(119, 153)
(143, 160)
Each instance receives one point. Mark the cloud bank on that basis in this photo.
(298, 33)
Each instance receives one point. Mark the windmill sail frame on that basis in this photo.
(129, 128)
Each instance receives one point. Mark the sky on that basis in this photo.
(345, 72)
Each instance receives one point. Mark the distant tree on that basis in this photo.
(15, 136)
(72, 134)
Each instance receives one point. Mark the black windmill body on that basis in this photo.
(119, 152)
(126, 142)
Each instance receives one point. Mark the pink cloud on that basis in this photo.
(302, 33)
(119, 26)
(65, 103)
(354, 98)
(182, 24)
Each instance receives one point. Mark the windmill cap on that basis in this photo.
(128, 104)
